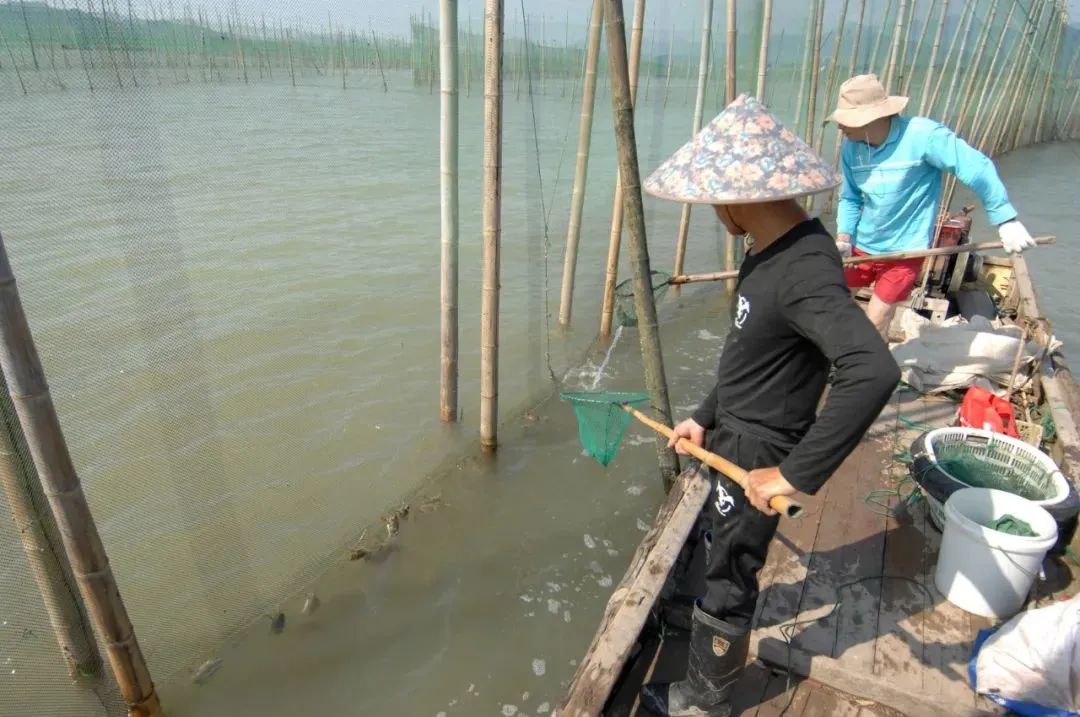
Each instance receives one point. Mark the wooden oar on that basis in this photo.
(897, 256)
(781, 504)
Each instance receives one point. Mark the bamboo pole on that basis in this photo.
(834, 67)
(905, 44)
(872, 59)
(925, 91)
(626, 144)
(804, 69)
(1021, 78)
(894, 52)
(990, 133)
(581, 170)
(611, 276)
(729, 97)
(1071, 72)
(379, 62)
(699, 112)
(670, 58)
(989, 77)
(14, 64)
(49, 567)
(492, 220)
(448, 243)
(29, 393)
(895, 256)
(1028, 81)
(969, 8)
(975, 70)
(909, 73)
(853, 62)
(652, 59)
(951, 94)
(763, 50)
(29, 36)
(815, 72)
(1051, 67)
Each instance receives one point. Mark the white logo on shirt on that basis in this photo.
(724, 502)
(742, 311)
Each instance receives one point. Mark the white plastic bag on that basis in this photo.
(1035, 658)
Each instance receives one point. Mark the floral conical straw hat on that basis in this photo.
(744, 155)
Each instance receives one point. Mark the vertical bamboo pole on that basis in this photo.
(909, 75)
(611, 276)
(379, 62)
(670, 59)
(29, 36)
(29, 393)
(626, 143)
(975, 71)
(815, 69)
(834, 67)
(852, 64)
(652, 58)
(49, 567)
(968, 8)
(448, 175)
(729, 97)
(492, 219)
(699, 111)
(870, 65)
(905, 44)
(804, 68)
(894, 52)
(581, 171)
(1051, 66)
(763, 50)
(930, 74)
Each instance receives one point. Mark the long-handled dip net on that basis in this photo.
(603, 417)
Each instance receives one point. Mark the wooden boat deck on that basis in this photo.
(848, 597)
(893, 641)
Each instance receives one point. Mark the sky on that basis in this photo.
(392, 16)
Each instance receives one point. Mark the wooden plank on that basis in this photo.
(632, 599)
(858, 680)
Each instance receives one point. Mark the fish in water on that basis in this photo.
(311, 604)
(277, 622)
(207, 670)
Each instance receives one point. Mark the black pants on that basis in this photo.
(740, 533)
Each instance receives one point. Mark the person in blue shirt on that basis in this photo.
(892, 167)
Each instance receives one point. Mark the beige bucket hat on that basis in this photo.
(745, 155)
(863, 99)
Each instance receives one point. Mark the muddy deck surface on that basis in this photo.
(873, 632)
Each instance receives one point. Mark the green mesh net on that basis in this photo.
(1013, 526)
(601, 419)
(626, 309)
(996, 465)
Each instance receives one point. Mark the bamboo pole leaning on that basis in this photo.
(970, 99)
(1007, 122)
(804, 68)
(894, 52)
(626, 146)
(448, 185)
(49, 566)
(699, 111)
(815, 76)
(830, 86)
(987, 89)
(611, 276)
(492, 223)
(951, 94)
(940, 81)
(1051, 66)
(763, 49)
(581, 170)
(929, 73)
(1069, 74)
(40, 424)
(729, 97)
(871, 65)
(987, 136)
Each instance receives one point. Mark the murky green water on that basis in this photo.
(234, 291)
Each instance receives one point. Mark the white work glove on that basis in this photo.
(1014, 237)
(844, 247)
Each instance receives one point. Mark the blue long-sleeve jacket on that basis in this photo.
(890, 194)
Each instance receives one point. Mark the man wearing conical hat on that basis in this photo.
(892, 173)
(793, 318)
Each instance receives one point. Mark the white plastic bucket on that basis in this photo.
(984, 571)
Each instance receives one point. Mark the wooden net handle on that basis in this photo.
(780, 503)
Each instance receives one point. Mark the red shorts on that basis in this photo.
(892, 280)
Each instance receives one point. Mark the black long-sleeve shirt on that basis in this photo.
(794, 317)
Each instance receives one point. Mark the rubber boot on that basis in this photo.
(717, 655)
